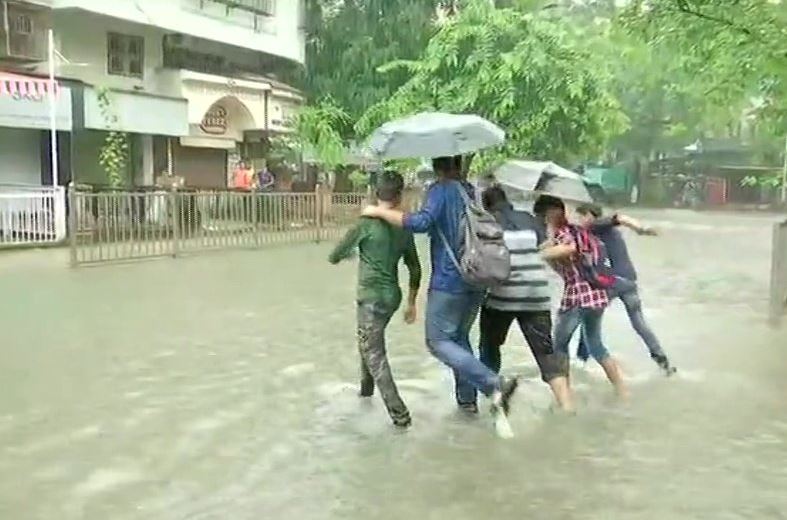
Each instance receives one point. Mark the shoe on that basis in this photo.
(501, 406)
(403, 423)
(507, 389)
(664, 365)
(469, 408)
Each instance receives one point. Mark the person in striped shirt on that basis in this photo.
(524, 297)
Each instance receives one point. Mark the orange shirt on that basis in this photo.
(243, 178)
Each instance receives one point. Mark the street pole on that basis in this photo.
(53, 111)
(784, 174)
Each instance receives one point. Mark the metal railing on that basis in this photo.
(120, 226)
(32, 215)
(778, 291)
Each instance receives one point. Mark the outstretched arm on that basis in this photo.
(636, 225)
(344, 249)
(394, 217)
(418, 222)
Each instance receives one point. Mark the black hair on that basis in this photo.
(545, 202)
(451, 166)
(589, 208)
(493, 197)
(390, 185)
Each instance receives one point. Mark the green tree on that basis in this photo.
(349, 40)
(316, 133)
(731, 50)
(522, 71)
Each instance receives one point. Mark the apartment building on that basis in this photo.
(195, 84)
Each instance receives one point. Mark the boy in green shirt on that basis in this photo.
(380, 247)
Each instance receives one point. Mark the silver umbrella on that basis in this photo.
(543, 178)
(434, 134)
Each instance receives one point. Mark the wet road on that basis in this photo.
(223, 387)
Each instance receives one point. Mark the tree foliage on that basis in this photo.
(520, 70)
(348, 40)
(730, 51)
(114, 154)
(316, 133)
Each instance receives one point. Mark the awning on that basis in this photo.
(24, 103)
(19, 86)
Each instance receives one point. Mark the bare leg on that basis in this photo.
(591, 319)
(562, 392)
(615, 376)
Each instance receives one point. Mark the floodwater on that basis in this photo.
(223, 387)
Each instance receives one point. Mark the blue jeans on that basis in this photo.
(449, 318)
(629, 295)
(590, 319)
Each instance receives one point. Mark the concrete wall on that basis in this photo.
(82, 39)
(279, 35)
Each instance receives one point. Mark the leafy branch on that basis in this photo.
(114, 154)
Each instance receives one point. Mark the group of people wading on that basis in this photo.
(589, 254)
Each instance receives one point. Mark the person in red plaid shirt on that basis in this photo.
(581, 304)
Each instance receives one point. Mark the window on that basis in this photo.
(125, 55)
(21, 24)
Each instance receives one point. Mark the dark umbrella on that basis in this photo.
(543, 178)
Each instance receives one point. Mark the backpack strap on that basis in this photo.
(468, 202)
(448, 248)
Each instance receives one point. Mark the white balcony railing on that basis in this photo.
(32, 215)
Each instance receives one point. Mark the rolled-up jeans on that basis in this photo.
(449, 318)
(628, 293)
(590, 319)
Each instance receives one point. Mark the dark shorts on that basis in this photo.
(536, 326)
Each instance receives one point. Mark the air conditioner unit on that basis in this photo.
(23, 32)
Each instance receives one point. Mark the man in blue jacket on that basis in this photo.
(452, 305)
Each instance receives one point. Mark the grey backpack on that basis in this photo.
(484, 260)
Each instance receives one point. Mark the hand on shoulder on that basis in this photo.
(370, 211)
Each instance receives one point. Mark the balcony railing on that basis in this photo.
(259, 7)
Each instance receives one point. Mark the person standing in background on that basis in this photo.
(244, 176)
(265, 179)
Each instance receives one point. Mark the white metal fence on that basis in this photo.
(32, 215)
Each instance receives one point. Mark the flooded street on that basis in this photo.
(224, 387)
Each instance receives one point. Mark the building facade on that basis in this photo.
(195, 85)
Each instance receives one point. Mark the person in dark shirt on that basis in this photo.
(453, 304)
(625, 288)
(380, 247)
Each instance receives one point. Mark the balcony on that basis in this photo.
(257, 15)
(259, 7)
